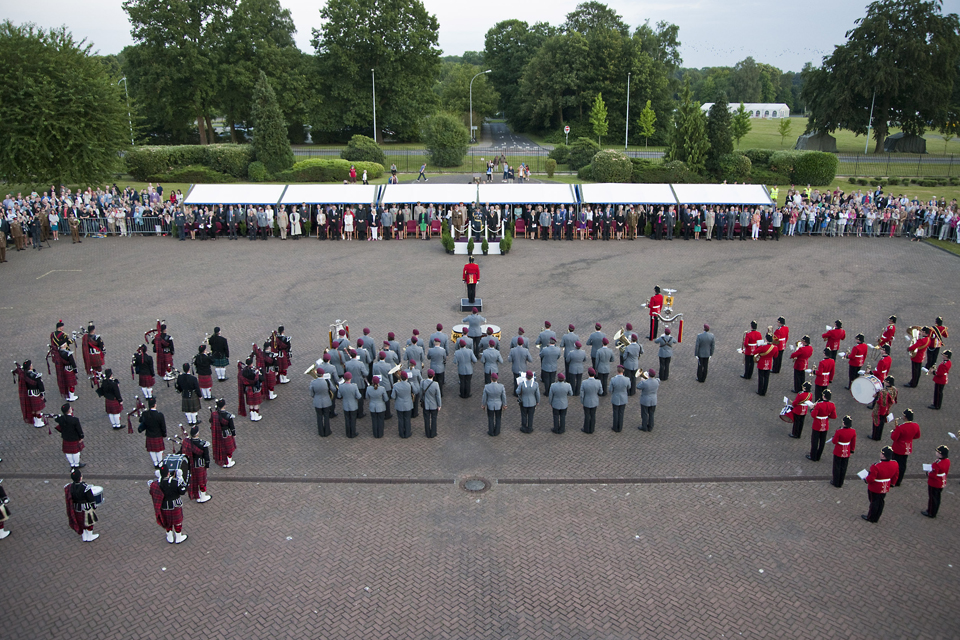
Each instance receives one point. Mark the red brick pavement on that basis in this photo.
(438, 563)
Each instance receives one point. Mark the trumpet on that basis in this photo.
(641, 375)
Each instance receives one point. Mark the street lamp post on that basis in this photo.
(373, 77)
(129, 118)
(626, 136)
(866, 145)
(471, 101)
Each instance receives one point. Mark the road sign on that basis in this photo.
(566, 129)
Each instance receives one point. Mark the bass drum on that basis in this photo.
(176, 461)
(865, 388)
(460, 331)
(786, 414)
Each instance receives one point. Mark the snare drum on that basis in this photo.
(865, 388)
(177, 461)
(97, 494)
(786, 414)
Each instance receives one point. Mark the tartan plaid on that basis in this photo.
(155, 444)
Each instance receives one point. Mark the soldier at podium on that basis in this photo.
(471, 276)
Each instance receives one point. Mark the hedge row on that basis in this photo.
(816, 168)
(326, 170)
(148, 163)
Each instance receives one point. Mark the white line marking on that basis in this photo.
(60, 270)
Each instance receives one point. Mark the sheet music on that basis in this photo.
(928, 467)
(863, 474)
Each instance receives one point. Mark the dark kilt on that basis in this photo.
(155, 444)
(171, 517)
(35, 404)
(72, 447)
(191, 404)
(147, 381)
(206, 382)
(113, 407)
(221, 362)
(254, 398)
(198, 482)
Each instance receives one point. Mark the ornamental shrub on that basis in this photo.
(611, 165)
(582, 152)
(560, 153)
(551, 166)
(145, 162)
(784, 162)
(363, 149)
(446, 139)
(585, 172)
(816, 168)
(327, 170)
(231, 159)
(193, 174)
(257, 171)
(735, 167)
(759, 157)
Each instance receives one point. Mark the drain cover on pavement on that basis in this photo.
(475, 484)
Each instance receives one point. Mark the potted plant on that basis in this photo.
(484, 246)
(506, 242)
(470, 246)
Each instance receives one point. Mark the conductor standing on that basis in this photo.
(471, 276)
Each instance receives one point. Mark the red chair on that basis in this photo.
(520, 227)
(412, 228)
(436, 227)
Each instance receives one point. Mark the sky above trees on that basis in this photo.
(711, 33)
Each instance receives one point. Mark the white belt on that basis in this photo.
(820, 417)
(881, 481)
(941, 475)
(843, 444)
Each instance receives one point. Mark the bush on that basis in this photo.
(257, 171)
(470, 245)
(445, 238)
(194, 174)
(582, 152)
(893, 180)
(816, 168)
(145, 162)
(305, 223)
(363, 149)
(954, 182)
(765, 176)
(229, 158)
(551, 165)
(785, 162)
(759, 157)
(585, 172)
(644, 171)
(446, 139)
(735, 166)
(327, 170)
(854, 181)
(506, 241)
(611, 165)
(560, 153)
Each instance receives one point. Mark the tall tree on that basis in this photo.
(688, 141)
(740, 124)
(508, 47)
(270, 144)
(647, 123)
(718, 133)
(552, 81)
(259, 37)
(178, 55)
(598, 118)
(745, 81)
(783, 128)
(397, 39)
(63, 118)
(593, 16)
(905, 52)
(454, 91)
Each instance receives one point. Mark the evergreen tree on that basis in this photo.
(598, 117)
(688, 142)
(270, 143)
(718, 132)
(740, 125)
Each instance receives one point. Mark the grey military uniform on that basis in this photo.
(431, 394)
(438, 359)
(464, 359)
(350, 394)
(377, 399)
(491, 359)
(590, 393)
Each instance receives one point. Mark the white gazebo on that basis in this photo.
(756, 109)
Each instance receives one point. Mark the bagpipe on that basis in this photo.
(138, 410)
(148, 336)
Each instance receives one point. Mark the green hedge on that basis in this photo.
(816, 168)
(327, 170)
(257, 171)
(735, 167)
(551, 167)
(611, 165)
(585, 172)
(759, 157)
(560, 153)
(582, 152)
(363, 149)
(676, 172)
(194, 174)
(143, 163)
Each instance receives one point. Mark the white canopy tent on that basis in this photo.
(617, 193)
(330, 194)
(429, 193)
(260, 194)
(732, 194)
(527, 193)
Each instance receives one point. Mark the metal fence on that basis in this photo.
(99, 227)
(900, 165)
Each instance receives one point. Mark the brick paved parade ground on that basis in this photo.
(712, 526)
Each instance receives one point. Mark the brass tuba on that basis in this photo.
(311, 371)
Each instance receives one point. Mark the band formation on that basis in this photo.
(388, 379)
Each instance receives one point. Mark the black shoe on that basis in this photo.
(927, 513)
(933, 406)
(809, 458)
(865, 518)
(790, 435)
(642, 428)
(745, 377)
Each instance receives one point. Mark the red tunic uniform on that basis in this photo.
(883, 368)
(471, 273)
(942, 372)
(903, 437)
(780, 337)
(845, 442)
(766, 355)
(825, 371)
(881, 476)
(655, 305)
(750, 341)
(888, 335)
(858, 355)
(833, 338)
(801, 356)
(937, 478)
(918, 350)
(822, 413)
(799, 403)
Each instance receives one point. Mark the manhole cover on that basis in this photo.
(475, 485)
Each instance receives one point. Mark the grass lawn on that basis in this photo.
(952, 247)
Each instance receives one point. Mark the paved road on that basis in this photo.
(712, 526)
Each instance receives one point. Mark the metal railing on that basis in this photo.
(99, 227)
(900, 165)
